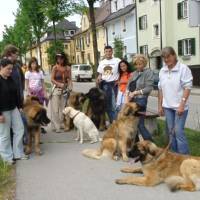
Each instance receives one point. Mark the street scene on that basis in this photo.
(99, 99)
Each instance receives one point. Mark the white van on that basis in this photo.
(81, 72)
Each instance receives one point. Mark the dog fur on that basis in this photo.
(119, 137)
(83, 124)
(36, 117)
(180, 172)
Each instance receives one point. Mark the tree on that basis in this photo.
(94, 36)
(118, 47)
(33, 10)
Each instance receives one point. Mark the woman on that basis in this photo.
(10, 116)
(34, 81)
(61, 79)
(175, 82)
(139, 88)
(124, 70)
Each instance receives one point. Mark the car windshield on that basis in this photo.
(85, 67)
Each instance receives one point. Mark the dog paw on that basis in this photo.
(120, 181)
(76, 139)
(81, 142)
(116, 158)
(125, 159)
(93, 141)
(125, 170)
(39, 153)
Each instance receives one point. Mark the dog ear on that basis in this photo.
(150, 148)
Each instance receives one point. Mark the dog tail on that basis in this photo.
(174, 182)
(92, 153)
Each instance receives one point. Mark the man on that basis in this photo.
(107, 80)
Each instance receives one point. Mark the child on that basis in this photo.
(124, 70)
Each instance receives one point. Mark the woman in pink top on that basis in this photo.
(34, 80)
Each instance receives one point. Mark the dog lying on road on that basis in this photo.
(119, 137)
(83, 123)
(180, 172)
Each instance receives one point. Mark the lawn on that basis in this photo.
(7, 181)
(192, 136)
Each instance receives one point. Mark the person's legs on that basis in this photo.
(55, 120)
(182, 144)
(61, 108)
(170, 122)
(18, 130)
(5, 142)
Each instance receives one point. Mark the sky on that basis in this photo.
(9, 7)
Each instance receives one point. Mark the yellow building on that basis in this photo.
(83, 38)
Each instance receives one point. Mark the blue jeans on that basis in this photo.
(12, 120)
(175, 128)
(110, 90)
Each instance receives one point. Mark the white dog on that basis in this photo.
(83, 124)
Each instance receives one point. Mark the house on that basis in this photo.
(121, 23)
(165, 23)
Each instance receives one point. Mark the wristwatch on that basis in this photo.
(183, 99)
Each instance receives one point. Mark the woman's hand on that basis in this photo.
(133, 94)
(2, 119)
(181, 109)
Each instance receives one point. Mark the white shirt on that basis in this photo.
(172, 83)
(34, 80)
(109, 69)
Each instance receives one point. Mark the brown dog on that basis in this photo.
(36, 117)
(180, 172)
(119, 137)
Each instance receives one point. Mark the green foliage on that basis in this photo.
(4, 173)
(52, 50)
(118, 47)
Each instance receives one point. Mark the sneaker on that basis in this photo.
(10, 162)
(43, 130)
(24, 157)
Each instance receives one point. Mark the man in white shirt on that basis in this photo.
(107, 78)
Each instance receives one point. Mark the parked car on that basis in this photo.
(81, 72)
(155, 79)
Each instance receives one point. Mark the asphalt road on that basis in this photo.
(62, 173)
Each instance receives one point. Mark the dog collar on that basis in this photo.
(75, 115)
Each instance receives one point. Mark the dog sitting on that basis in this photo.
(180, 172)
(96, 108)
(119, 137)
(83, 124)
(75, 100)
(36, 117)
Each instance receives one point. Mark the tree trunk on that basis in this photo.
(94, 36)
(54, 33)
(40, 53)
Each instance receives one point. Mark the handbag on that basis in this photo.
(133, 84)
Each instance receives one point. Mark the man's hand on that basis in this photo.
(161, 111)
(2, 119)
(180, 109)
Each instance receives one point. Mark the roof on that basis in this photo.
(120, 13)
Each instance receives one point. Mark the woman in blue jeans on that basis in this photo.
(138, 89)
(175, 82)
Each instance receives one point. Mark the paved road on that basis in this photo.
(62, 173)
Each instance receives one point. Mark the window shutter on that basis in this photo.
(141, 50)
(140, 23)
(193, 48)
(179, 7)
(180, 47)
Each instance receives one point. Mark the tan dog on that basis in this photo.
(180, 172)
(119, 137)
(83, 124)
(36, 117)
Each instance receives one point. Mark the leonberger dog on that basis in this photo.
(119, 137)
(75, 100)
(36, 117)
(96, 109)
(180, 172)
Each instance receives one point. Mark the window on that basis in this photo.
(72, 32)
(65, 46)
(144, 50)
(141, 0)
(116, 6)
(156, 31)
(186, 47)
(143, 22)
(66, 33)
(113, 29)
(88, 39)
(182, 9)
(123, 21)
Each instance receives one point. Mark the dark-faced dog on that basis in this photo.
(97, 107)
(36, 117)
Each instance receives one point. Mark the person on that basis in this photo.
(24, 68)
(125, 73)
(175, 83)
(10, 117)
(61, 79)
(138, 89)
(34, 81)
(107, 80)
